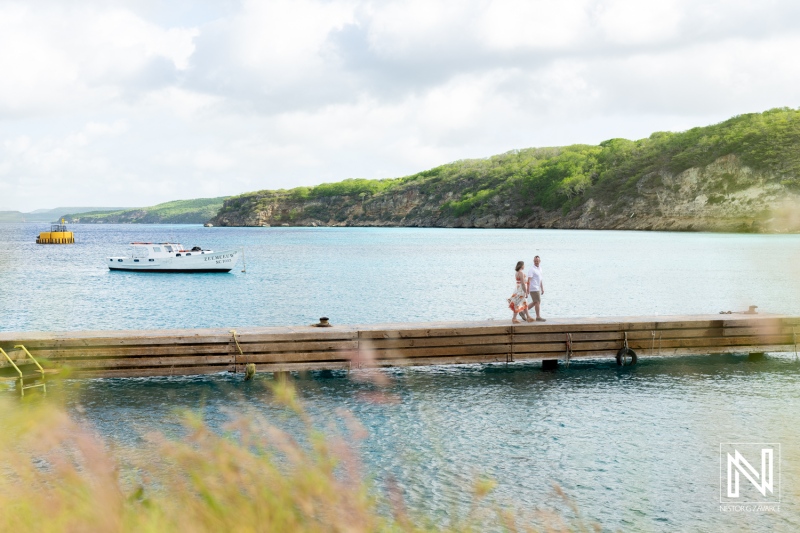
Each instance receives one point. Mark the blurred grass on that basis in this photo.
(57, 475)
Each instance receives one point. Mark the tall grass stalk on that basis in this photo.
(57, 475)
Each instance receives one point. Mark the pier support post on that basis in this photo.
(281, 375)
(755, 356)
(549, 364)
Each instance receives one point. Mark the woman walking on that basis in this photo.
(518, 301)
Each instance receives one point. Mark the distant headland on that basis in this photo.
(196, 211)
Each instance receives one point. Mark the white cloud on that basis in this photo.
(184, 104)
(138, 103)
(99, 129)
(73, 56)
(284, 37)
(95, 130)
(510, 24)
(634, 22)
(396, 28)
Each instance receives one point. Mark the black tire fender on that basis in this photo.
(625, 353)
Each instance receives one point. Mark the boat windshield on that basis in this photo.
(140, 251)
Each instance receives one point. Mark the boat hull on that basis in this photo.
(173, 271)
(185, 263)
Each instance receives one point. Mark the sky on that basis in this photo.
(117, 103)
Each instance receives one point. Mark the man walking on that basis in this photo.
(536, 287)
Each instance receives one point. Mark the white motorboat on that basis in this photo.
(172, 257)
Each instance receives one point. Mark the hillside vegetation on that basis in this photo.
(48, 215)
(196, 211)
(739, 175)
(11, 216)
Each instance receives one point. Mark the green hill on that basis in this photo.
(47, 215)
(11, 216)
(197, 211)
(739, 175)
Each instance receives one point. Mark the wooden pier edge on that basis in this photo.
(281, 349)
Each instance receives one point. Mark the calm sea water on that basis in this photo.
(372, 275)
(636, 448)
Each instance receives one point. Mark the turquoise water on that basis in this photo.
(373, 275)
(637, 449)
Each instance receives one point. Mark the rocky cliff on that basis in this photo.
(722, 196)
(740, 175)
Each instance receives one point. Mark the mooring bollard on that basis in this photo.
(249, 371)
(323, 323)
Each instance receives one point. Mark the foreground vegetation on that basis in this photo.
(553, 180)
(58, 476)
(195, 211)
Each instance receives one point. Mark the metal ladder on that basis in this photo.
(39, 374)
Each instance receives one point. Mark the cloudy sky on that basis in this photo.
(115, 103)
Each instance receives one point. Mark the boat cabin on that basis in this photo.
(143, 250)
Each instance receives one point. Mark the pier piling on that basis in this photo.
(549, 364)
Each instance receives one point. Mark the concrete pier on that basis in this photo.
(283, 349)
